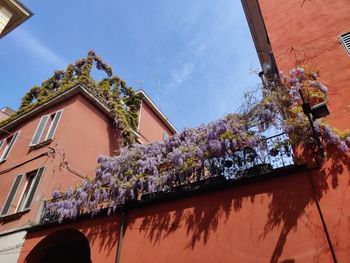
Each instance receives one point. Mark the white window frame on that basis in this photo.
(165, 135)
(8, 148)
(21, 205)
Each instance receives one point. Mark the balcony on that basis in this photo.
(270, 155)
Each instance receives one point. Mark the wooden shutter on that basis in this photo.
(345, 40)
(1, 143)
(8, 148)
(53, 125)
(39, 130)
(11, 194)
(33, 188)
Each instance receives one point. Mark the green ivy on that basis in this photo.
(122, 101)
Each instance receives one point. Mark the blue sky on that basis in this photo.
(194, 58)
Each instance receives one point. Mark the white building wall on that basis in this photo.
(5, 16)
(10, 246)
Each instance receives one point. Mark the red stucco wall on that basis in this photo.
(270, 221)
(102, 234)
(274, 220)
(151, 127)
(306, 32)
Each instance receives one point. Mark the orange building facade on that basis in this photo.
(312, 37)
(294, 213)
(310, 34)
(274, 220)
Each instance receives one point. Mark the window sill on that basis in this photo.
(13, 216)
(42, 144)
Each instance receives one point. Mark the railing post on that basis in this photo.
(121, 235)
(41, 212)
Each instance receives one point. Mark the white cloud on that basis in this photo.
(181, 74)
(197, 46)
(37, 48)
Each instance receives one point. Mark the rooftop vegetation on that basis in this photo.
(111, 90)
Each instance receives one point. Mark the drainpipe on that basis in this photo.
(263, 81)
(262, 77)
(121, 235)
(317, 201)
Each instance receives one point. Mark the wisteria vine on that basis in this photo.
(157, 167)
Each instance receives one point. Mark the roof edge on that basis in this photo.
(78, 88)
(158, 112)
(23, 14)
(259, 35)
(21, 6)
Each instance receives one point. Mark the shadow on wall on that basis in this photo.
(280, 206)
(335, 174)
(289, 201)
(103, 235)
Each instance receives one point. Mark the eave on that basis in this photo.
(76, 89)
(20, 13)
(157, 111)
(259, 34)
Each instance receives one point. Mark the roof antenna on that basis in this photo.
(140, 83)
(158, 92)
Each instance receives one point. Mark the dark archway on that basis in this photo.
(67, 245)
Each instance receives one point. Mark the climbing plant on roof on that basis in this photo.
(122, 101)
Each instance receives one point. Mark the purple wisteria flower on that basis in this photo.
(322, 87)
(343, 147)
(56, 194)
(347, 139)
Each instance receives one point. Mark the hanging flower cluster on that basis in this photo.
(296, 122)
(143, 169)
(113, 91)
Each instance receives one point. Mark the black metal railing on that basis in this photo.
(266, 155)
(46, 215)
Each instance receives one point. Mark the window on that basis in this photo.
(27, 197)
(345, 40)
(11, 195)
(50, 121)
(33, 179)
(165, 136)
(6, 146)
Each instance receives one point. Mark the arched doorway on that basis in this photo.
(67, 245)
